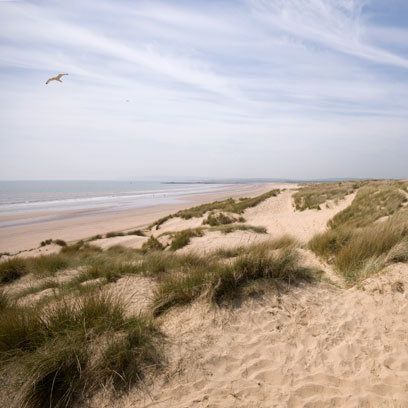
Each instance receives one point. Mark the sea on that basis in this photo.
(62, 195)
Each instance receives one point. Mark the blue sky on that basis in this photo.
(246, 88)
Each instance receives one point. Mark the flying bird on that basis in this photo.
(56, 78)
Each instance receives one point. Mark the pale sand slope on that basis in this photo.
(315, 346)
(276, 214)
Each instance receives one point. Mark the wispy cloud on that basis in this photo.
(198, 79)
(336, 24)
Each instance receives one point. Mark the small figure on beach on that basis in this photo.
(55, 78)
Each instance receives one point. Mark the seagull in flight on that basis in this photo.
(56, 78)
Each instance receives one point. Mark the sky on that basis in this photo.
(301, 89)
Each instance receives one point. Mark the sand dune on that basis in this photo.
(276, 214)
(321, 345)
(317, 346)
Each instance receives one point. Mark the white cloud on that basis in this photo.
(250, 78)
(333, 23)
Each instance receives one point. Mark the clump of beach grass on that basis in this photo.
(159, 263)
(46, 265)
(375, 245)
(109, 269)
(214, 219)
(46, 242)
(182, 238)
(65, 352)
(222, 282)
(282, 267)
(12, 269)
(95, 237)
(60, 242)
(227, 229)
(114, 234)
(137, 232)
(152, 244)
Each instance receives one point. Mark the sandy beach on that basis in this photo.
(73, 225)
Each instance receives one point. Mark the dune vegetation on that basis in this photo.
(64, 352)
(214, 219)
(49, 344)
(182, 238)
(274, 261)
(313, 196)
(230, 205)
(369, 234)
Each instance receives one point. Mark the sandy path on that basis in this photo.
(317, 346)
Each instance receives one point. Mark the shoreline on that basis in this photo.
(73, 225)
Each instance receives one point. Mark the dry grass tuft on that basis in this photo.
(182, 238)
(12, 269)
(224, 282)
(312, 196)
(372, 202)
(227, 229)
(68, 351)
(152, 244)
(214, 219)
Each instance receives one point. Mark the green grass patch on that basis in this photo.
(47, 265)
(110, 270)
(12, 269)
(312, 196)
(367, 235)
(65, 352)
(182, 238)
(214, 219)
(282, 267)
(368, 250)
(223, 282)
(372, 202)
(227, 229)
(152, 244)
